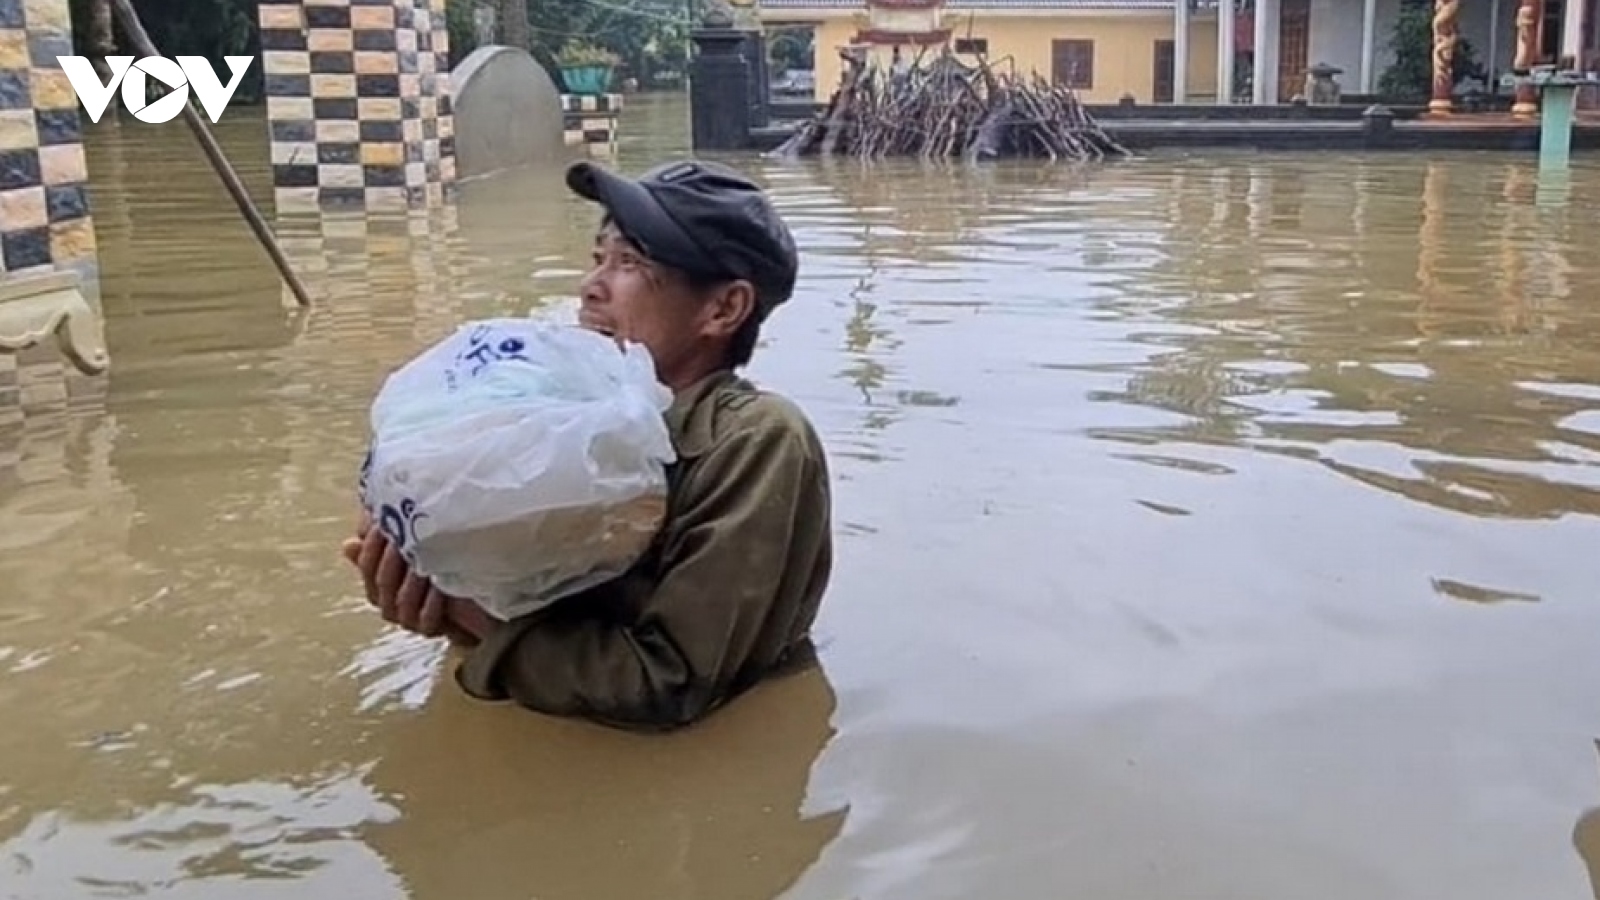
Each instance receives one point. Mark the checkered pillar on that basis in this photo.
(590, 121)
(358, 103)
(45, 226)
(44, 205)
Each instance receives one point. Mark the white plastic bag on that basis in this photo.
(518, 462)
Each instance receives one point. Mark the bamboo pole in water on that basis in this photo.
(225, 171)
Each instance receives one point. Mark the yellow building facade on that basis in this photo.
(1103, 50)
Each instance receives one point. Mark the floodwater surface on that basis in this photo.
(1215, 528)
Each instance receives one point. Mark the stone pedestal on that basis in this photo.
(358, 103)
(760, 80)
(590, 122)
(1377, 125)
(52, 346)
(719, 90)
(50, 282)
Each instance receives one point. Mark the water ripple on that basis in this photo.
(1190, 510)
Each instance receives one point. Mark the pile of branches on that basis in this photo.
(948, 109)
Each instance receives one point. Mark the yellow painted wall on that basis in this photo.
(1124, 48)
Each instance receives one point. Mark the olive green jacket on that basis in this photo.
(725, 596)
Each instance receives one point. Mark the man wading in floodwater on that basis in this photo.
(689, 260)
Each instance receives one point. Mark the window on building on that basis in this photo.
(1072, 63)
(974, 46)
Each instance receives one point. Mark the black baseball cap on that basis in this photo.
(700, 217)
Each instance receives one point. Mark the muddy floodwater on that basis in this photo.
(1215, 527)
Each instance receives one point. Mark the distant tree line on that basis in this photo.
(210, 28)
(649, 38)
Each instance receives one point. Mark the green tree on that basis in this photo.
(791, 48)
(209, 28)
(651, 36)
(1409, 79)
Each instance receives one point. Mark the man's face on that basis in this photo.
(627, 296)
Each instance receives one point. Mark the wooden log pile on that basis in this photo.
(946, 109)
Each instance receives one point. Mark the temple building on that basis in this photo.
(1161, 51)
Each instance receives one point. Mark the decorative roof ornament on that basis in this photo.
(719, 14)
(741, 15)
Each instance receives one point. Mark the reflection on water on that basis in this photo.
(1211, 527)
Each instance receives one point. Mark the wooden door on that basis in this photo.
(1166, 55)
(1294, 47)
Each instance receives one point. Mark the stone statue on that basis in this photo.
(1528, 13)
(484, 25)
(719, 14)
(746, 14)
(1322, 86)
(1445, 13)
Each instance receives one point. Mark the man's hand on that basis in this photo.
(406, 599)
(402, 597)
(468, 623)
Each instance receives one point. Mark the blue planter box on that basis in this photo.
(588, 80)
